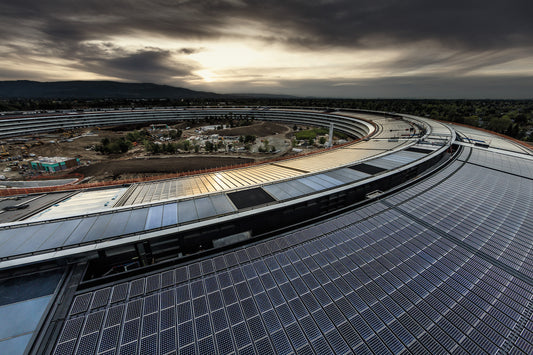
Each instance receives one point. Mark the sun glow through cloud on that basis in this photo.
(285, 47)
(207, 76)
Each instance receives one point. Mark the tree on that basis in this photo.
(472, 121)
(249, 138)
(175, 134)
(186, 145)
(153, 148)
(209, 146)
(499, 124)
(123, 145)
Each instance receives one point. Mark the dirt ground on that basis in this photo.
(138, 163)
(79, 147)
(125, 169)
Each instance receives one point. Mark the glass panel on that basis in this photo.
(315, 180)
(277, 192)
(23, 316)
(296, 188)
(222, 204)
(79, 233)
(22, 288)
(204, 207)
(332, 181)
(186, 211)
(19, 236)
(137, 221)
(154, 218)
(38, 238)
(117, 224)
(15, 346)
(61, 234)
(5, 235)
(96, 231)
(170, 214)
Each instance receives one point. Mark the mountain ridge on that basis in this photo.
(79, 89)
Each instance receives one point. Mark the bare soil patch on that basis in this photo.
(124, 169)
(138, 163)
(75, 148)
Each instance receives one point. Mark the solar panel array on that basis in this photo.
(42, 235)
(517, 165)
(472, 135)
(205, 183)
(442, 267)
(256, 175)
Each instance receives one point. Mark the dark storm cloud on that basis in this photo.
(466, 24)
(148, 65)
(457, 36)
(462, 24)
(188, 50)
(452, 62)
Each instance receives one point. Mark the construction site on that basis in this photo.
(137, 151)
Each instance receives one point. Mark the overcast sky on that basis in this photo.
(327, 48)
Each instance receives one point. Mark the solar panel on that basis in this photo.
(81, 303)
(396, 275)
(250, 198)
(367, 168)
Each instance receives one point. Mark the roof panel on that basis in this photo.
(187, 211)
(136, 221)
(59, 237)
(170, 214)
(154, 218)
(98, 228)
(222, 204)
(204, 207)
(117, 224)
(24, 235)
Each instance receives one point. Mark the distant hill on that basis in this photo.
(260, 96)
(25, 89)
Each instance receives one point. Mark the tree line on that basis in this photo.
(511, 117)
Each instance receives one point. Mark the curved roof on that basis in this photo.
(148, 210)
(443, 264)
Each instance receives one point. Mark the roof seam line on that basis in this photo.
(493, 261)
(432, 186)
(498, 170)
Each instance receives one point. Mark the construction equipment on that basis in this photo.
(3, 151)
